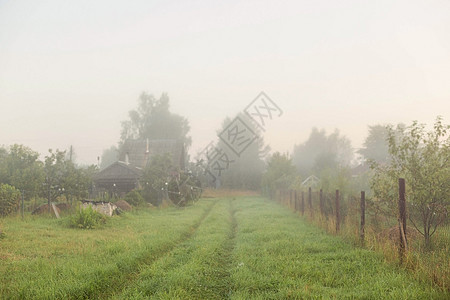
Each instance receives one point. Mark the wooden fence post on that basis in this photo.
(296, 201)
(310, 200)
(363, 216)
(337, 212)
(402, 217)
(290, 199)
(303, 203)
(321, 202)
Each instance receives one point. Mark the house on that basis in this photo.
(124, 175)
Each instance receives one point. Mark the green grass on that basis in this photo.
(247, 248)
(41, 258)
(197, 269)
(278, 256)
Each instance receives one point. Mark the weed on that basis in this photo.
(87, 218)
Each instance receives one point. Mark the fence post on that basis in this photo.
(363, 216)
(321, 201)
(337, 212)
(310, 200)
(23, 210)
(303, 203)
(295, 201)
(290, 199)
(402, 217)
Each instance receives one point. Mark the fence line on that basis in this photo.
(343, 213)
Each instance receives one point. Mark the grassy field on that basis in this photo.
(220, 248)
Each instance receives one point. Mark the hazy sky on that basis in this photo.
(71, 70)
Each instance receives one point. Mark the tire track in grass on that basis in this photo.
(228, 248)
(198, 269)
(132, 274)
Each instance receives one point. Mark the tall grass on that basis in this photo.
(42, 258)
(279, 256)
(427, 265)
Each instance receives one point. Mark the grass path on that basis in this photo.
(198, 269)
(244, 248)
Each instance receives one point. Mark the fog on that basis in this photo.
(71, 71)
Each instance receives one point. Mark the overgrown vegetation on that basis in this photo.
(57, 177)
(134, 198)
(423, 159)
(9, 199)
(87, 218)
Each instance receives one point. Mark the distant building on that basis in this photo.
(124, 175)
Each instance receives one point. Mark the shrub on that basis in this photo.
(134, 198)
(87, 218)
(9, 199)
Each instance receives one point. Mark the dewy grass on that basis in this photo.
(42, 259)
(279, 256)
(197, 269)
(243, 248)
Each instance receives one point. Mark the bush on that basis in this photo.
(9, 199)
(87, 218)
(134, 198)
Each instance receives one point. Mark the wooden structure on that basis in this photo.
(103, 207)
(124, 175)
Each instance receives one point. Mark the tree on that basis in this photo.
(376, 145)
(321, 152)
(280, 173)
(62, 176)
(109, 156)
(155, 176)
(55, 169)
(245, 171)
(153, 120)
(423, 159)
(21, 168)
(76, 182)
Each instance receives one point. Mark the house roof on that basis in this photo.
(118, 172)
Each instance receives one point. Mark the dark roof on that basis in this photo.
(140, 152)
(118, 172)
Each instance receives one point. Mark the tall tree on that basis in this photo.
(280, 173)
(153, 120)
(321, 152)
(376, 145)
(109, 156)
(244, 171)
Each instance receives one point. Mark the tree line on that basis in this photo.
(23, 173)
(421, 157)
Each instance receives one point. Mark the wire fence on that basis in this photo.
(355, 217)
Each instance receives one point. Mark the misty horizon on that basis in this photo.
(69, 75)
